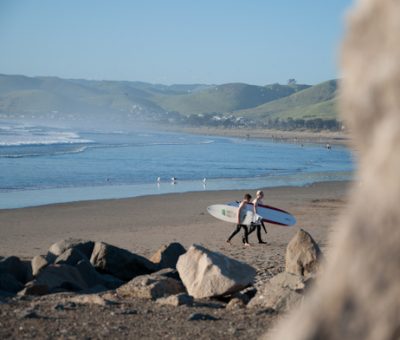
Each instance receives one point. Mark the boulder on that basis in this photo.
(84, 246)
(167, 256)
(38, 263)
(119, 262)
(61, 277)
(9, 283)
(303, 255)
(150, 287)
(280, 294)
(176, 300)
(71, 257)
(21, 270)
(207, 274)
(93, 278)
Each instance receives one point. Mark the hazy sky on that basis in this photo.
(173, 41)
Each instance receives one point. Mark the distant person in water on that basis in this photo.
(240, 217)
(257, 224)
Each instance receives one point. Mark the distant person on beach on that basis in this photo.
(257, 224)
(240, 217)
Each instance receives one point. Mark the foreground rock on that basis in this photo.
(207, 274)
(358, 293)
(119, 262)
(303, 256)
(20, 270)
(167, 256)
(151, 287)
(280, 294)
(61, 277)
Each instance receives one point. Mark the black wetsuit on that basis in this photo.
(257, 226)
(245, 238)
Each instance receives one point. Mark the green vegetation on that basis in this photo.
(314, 102)
(290, 106)
(225, 98)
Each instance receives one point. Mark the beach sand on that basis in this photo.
(142, 225)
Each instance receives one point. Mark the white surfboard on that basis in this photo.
(228, 213)
(270, 214)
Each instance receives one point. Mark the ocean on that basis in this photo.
(44, 165)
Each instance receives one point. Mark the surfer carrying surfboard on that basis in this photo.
(257, 224)
(240, 217)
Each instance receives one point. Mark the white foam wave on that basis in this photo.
(19, 136)
(37, 154)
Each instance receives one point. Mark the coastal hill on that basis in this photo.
(234, 104)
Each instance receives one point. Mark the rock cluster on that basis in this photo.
(173, 276)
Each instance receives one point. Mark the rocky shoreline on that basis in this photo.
(86, 289)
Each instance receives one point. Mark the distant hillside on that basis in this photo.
(126, 102)
(314, 102)
(225, 98)
(52, 98)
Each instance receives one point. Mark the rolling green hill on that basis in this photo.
(225, 98)
(314, 102)
(79, 99)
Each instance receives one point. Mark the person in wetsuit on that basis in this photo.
(240, 217)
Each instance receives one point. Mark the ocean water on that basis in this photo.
(41, 165)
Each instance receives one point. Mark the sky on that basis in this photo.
(174, 41)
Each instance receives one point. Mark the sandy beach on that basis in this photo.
(142, 225)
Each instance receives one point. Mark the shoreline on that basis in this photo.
(294, 136)
(44, 197)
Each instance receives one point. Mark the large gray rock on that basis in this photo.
(167, 256)
(280, 293)
(303, 255)
(20, 270)
(206, 274)
(93, 278)
(150, 287)
(119, 262)
(84, 246)
(9, 283)
(60, 278)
